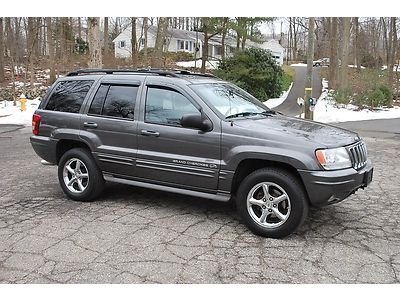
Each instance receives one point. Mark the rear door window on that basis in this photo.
(114, 101)
(68, 96)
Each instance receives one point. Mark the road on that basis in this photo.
(133, 235)
(385, 128)
(290, 106)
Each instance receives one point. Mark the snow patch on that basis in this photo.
(10, 114)
(211, 64)
(299, 65)
(354, 66)
(274, 102)
(327, 111)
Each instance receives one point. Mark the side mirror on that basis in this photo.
(196, 121)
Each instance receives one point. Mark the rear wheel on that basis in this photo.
(272, 202)
(79, 176)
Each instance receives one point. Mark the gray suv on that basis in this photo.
(197, 135)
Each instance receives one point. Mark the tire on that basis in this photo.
(286, 198)
(83, 169)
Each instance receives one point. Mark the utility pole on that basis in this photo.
(310, 56)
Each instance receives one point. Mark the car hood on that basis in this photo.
(289, 127)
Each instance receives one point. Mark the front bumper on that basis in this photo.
(328, 187)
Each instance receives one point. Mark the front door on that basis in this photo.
(167, 152)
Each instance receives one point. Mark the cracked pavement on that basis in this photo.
(134, 235)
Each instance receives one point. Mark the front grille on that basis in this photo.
(358, 155)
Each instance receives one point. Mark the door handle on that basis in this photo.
(90, 125)
(150, 133)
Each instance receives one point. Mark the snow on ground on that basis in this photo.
(211, 65)
(10, 114)
(355, 66)
(326, 110)
(274, 102)
(299, 65)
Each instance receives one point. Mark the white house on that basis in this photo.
(278, 52)
(186, 41)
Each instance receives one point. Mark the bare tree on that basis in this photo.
(106, 38)
(1, 51)
(50, 47)
(145, 29)
(391, 52)
(357, 44)
(225, 22)
(310, 56)
(345, 55)
(134, 44)
(79, 28)
(334, 62)
(157, 60)
(95, 60)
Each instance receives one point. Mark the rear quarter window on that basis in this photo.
(68, 96)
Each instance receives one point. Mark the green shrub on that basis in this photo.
(387, 93)
(341, 96)
(254, 70)
(380, 96)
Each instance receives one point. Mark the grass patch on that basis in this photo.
(287, 77)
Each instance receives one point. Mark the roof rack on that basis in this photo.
(161, 72)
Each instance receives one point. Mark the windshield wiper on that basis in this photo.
(250, 113)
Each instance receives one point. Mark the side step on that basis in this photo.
(46, 163)
(218, 197)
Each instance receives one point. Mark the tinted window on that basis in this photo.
(120, 101)
(165, 106)
(97, 103)
(68, 96)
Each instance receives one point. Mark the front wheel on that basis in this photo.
(79, 176)
(272, 202)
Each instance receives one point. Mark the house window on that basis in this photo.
(217, 50)
(122, 44)
(184, 45)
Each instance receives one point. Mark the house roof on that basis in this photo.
(178, 34)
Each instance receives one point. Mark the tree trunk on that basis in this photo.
(106, 40)
(95, 60)
(11, 41)
(1, 51)
(392, 54)
(157, 59)
(146, 29)
(50, 43)
(310, 57)
(134, 44)
(79, 28)
(204, 57)
(345, 56)
(224, 32)
(333, 64)
(357, 45)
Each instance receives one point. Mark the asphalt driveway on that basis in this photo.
(135, 235)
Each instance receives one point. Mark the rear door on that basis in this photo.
(167, 152)
(110, 126)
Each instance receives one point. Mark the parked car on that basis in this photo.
(197, 135)
(321, 62)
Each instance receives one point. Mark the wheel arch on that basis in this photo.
(64, 145)
(249, 165)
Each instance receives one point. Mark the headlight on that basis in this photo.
(333, 159)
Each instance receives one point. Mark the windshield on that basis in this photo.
(230, 100)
